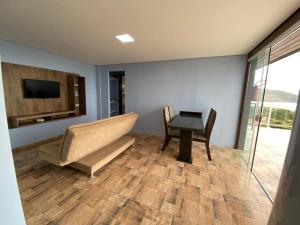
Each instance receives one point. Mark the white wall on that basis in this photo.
(10, 204)
(19, 54)
(191, 84)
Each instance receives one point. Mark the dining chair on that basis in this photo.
(205, 137)
(169, 133)
(171, 112)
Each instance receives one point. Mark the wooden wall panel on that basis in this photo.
(17, 105)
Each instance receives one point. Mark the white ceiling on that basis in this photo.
(163, 29)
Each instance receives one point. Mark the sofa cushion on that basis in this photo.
(98, 159)
(84, 139)
(51, 152)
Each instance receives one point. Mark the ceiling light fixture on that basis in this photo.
(124, 38)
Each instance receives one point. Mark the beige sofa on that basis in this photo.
(90, 146)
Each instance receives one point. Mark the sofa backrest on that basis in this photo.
(84, 139)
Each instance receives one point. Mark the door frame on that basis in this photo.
(246, 85)
(284, 29)
(261, 109)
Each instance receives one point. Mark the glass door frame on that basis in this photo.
(264, 54)
(265, 77)
(291, 24)
(267, 49)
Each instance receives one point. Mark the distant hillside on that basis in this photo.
(279, 96)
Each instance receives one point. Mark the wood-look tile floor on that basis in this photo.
(144, 186)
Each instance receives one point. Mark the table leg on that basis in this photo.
(185, 146)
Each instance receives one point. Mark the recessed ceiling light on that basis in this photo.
(124, 38)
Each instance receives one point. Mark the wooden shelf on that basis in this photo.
(23, 111)
(19, 121)
(76, 90)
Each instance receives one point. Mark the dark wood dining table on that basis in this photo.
(186, 125)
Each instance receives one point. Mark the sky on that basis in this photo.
(285, 74)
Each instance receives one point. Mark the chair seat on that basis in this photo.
(173, 132)
(199, 137)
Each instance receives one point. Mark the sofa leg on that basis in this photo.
(92, 176)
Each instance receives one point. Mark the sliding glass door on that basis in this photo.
(258, 67)
(280, 103)
(270, 103)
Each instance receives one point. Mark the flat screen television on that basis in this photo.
(41, 89)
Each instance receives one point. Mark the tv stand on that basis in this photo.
(20, 121)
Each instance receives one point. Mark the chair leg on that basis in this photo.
(167, 139)
(208, 150)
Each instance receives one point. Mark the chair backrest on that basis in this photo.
(171, 112)
(167, 119)
(190, 114)
(210, 123)
(83, 139)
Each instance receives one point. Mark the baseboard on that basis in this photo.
(35, 144)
